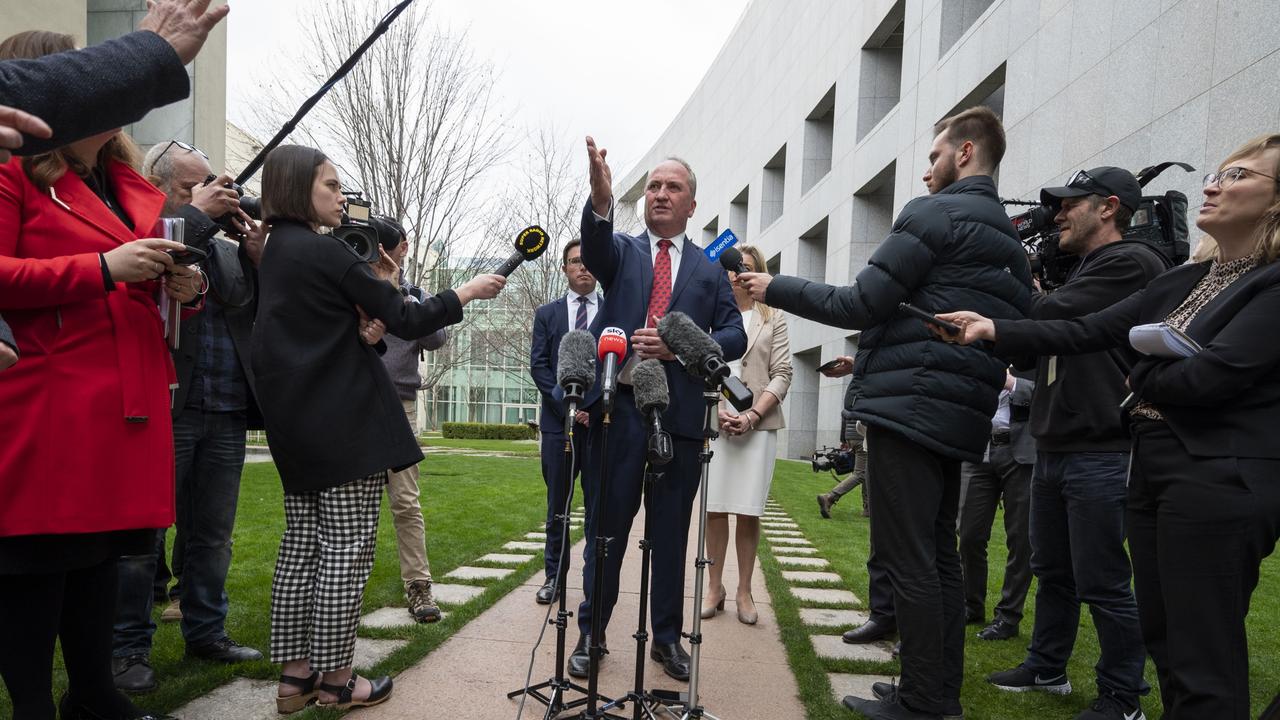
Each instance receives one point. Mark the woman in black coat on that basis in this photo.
(334, 422)
(1204, 504)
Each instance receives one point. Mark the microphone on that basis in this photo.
(650, 382)
(575, 371)
(612, 348)
(731, 260)
(530, 244)
(703, 357)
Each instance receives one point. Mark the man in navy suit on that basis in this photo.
(574, 311)
(645, 277)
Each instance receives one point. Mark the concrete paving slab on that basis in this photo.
(240, 699)
(787, 541)
(455, 594)
(523, 545)
(506, 558)
(535, 536)
(857, 685)
(826, 617)
(802, 577)
(793, 550)
(388, 617)
(824, 595)
(833, 647)
(778, 525)
(792, 561)
(478, 573)
(782, 533)
(370, 652)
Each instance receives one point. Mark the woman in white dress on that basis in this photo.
(742, 467)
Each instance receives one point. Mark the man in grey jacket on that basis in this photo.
(927, 408)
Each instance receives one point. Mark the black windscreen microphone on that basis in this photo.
(575, 371)
(731, 260)
(702, 356)
(649, 380)
(530, 244)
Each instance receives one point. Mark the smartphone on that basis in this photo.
(912, 310)
(828, 365)
(187, 256)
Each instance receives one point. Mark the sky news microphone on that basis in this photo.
(575, 371)
(702, 356)
(731, 260)
(649, 379)
(612, 348)
(531, 242)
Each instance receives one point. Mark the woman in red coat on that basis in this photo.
(86, 455)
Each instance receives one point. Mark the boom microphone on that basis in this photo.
(650, 382)
(530, 244)
(731, 260)
(575, 371)
(703, 357)
(612, 348)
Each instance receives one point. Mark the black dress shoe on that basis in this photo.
(224, 650)
(869, 631)
(886, 709)
(121, 709)
(674, 659)
(998, 630)
(580, 660)
(888, 692)
(547, 593)
(133, 674)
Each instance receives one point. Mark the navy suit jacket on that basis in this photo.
(623, 265)
(550, 325)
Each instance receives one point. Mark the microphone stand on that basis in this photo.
(559, 685)
(597, 584)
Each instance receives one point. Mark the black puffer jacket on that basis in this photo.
(954, 250)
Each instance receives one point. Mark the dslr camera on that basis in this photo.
(1160, 221)
(251, 206)
(838, 460)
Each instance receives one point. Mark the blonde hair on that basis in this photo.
(1267, 234)
(757, 259)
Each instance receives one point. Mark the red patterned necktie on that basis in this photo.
(660, 296)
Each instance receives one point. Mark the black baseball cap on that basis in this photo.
(1105, 181)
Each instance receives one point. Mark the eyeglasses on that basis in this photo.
(1229, 176)
(182, 145)
(573, 262)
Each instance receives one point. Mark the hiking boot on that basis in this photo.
(223, 650)
(825, 501)
(422, 605)
(1020, 679)
(172, 612)
(1109, 706)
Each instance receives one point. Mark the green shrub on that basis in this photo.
(486, 431)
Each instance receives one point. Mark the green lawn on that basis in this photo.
(472, 506)
(843, 541)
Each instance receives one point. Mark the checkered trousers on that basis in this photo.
(325, 559)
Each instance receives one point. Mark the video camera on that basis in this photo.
(837, 460)
(364, 231)
(1160, 221)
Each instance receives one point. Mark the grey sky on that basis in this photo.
(618, 71)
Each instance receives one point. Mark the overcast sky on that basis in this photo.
(617, 70)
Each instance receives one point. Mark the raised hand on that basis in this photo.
(601, 178)
(481, 287)
(214, 198)
(13, 123)
(185, 24)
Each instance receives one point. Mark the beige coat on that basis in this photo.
(766, 366)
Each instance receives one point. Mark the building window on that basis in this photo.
(739, 211)
(957, 17)
(872, 218)
(819, 128)
(774, 264)
(710, 232)
(812, 260)
(775, 183)
(989, 92)
(802, 404)
(880, 78)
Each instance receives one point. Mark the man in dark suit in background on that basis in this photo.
(645, 277)
(1003, 475)
(551, 322)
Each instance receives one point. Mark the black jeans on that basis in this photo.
(559, 485)
(1199, 528)
(982, 487)
(915, 496)
(1078, 555)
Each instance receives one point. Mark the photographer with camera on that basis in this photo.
(852, 442)
(333, 418)
(1078, 488)
(213, 406)
(401, 360)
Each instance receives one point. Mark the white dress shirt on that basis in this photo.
(593, 307)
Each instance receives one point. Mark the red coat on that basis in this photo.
(87, 442)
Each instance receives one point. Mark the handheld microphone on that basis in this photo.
(530, 244)
(612, 348)
(703, 357)
(650, 382)
(731, 260)
(575, 371)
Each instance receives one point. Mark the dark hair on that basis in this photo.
(287, 177)
(981, 126)
(390, 232)
(45, 169)
(564, 256)
(1123, 214)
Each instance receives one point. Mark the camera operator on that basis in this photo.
(926, 408)
(1078, 487)
(401, 360)
(213, 406)
(852, 439)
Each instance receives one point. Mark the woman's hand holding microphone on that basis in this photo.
(481, 287)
